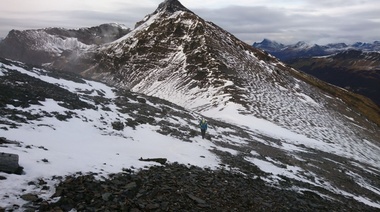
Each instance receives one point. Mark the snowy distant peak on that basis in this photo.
(269, 44)
(266, 43)
(171, 6)
(302, 44)
(375, 46)
(337, 45)
(273, 46)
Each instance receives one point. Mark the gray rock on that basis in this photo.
(196, 199)
(106, 196)
(9, 162)
(152, 206)
(29, 197)
(131, 185)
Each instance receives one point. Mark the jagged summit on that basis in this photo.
(171, 6)
(167, 7)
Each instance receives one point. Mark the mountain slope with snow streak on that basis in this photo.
(60, 124)
(65, 125)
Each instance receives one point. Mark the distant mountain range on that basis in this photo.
(305, 50)
(354, 67)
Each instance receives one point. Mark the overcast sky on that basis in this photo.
(286, 21)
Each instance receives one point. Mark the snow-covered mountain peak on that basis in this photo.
(182, 58)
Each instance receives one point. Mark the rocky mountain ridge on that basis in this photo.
(42, 46)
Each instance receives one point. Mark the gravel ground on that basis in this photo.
(175, 187)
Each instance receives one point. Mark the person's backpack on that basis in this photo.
(203, 124)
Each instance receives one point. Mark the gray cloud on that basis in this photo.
(322, 21)
(71, 19)
(252, 24)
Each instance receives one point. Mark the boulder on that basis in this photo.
(9, 163)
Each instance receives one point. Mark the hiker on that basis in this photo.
(203, 126)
